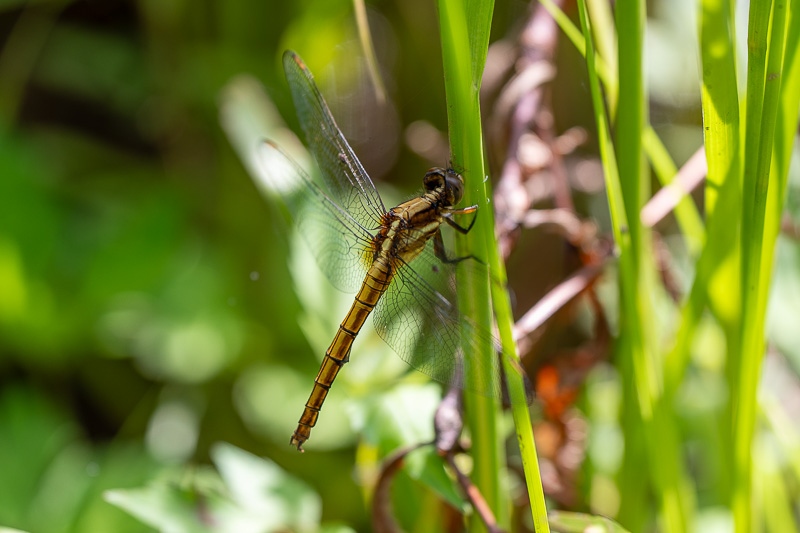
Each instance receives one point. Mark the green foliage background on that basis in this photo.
(152, 305)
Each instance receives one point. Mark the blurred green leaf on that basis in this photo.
(30, 221)
(427, 466)
(319, 24)
(262, 389)
(336, 528)
(400, 417)
(56, 508)
(565, 522)
(95, 65)
(33, 435)
(52, 479)
(257, 496)
(182, 332)
(785, 301)
(264, 489)
(117, 465)
(16, 4)
(166, 508)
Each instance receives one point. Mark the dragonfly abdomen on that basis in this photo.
(338, 353)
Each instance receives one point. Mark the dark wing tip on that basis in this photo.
(289, 57)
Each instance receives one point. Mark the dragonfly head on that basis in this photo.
(449, 182)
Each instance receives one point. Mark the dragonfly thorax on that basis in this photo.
(447, 183)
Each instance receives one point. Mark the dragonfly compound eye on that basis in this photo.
(454, 187)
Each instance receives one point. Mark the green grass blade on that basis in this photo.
(463, 65)
(763, 98)
(610, 171)
(773, 484)
(661, 445)
(607, 74)
(572, 32)
(18, 58)
(630, 116)
(479, 27)
(367, 47)
(627, 191)
(615, 204)
(787, 122)
(607, 71)
(790, 102)
(466, 148)
(718, 267)
(686, 213)
(785, 430)
(605, 37)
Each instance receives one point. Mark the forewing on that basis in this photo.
(347, 182)
(340, 245)
(419, 318)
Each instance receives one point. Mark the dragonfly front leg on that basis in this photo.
(448, 217)
(441, 252)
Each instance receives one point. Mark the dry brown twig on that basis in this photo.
(554, 300)
(447, 426)
(690, 175)
(519, 104)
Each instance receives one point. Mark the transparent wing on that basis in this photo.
(419, 318)
(345, 178)
(339, 243)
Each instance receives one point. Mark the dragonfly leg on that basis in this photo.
(441, 253)
(464, 210)
(455, 225)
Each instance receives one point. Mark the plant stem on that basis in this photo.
(466, 150)
(765, 49)
(464, 46)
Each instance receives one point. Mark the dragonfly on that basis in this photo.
(394, 259)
